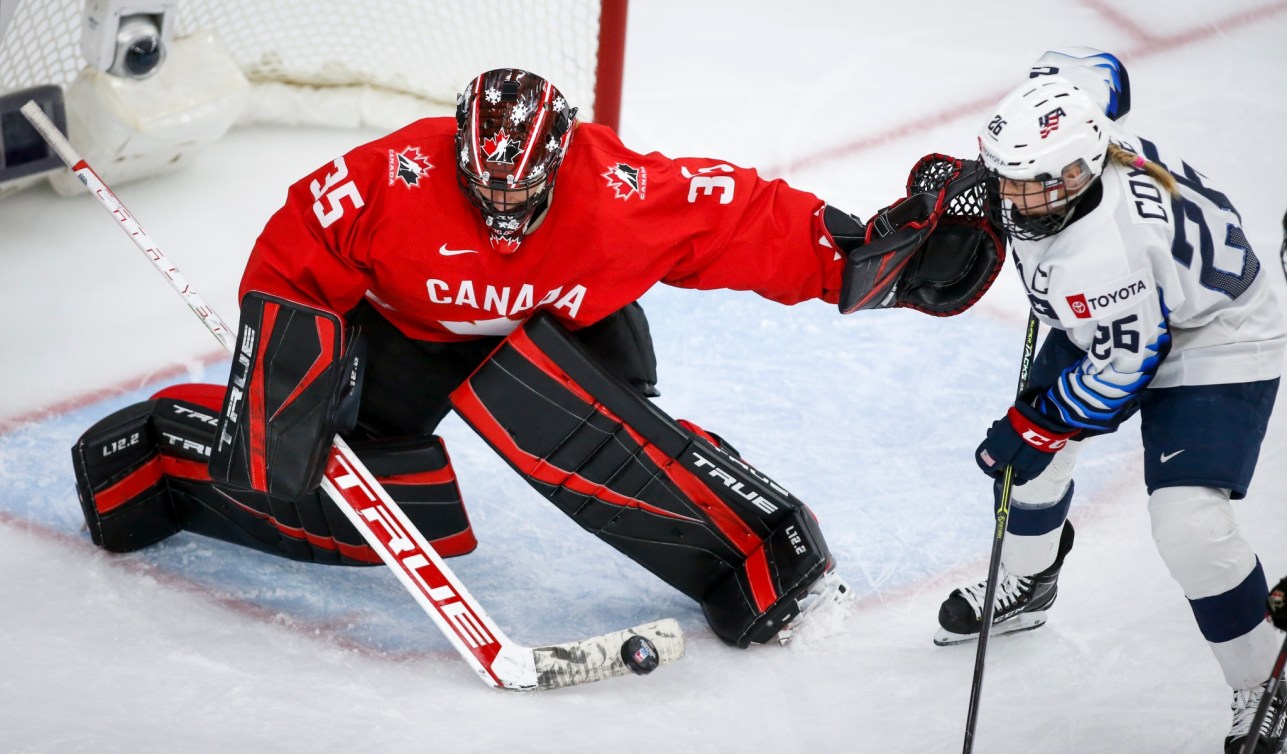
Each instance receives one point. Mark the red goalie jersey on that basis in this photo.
(388, 222)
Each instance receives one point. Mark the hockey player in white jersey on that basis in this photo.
(1157, 304)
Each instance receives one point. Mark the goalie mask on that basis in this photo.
(512, 130)
(1044, 146)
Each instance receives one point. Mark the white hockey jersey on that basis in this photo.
(1159, 291)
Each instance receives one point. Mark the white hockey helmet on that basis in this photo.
(1046, 131)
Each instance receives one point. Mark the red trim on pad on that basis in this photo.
(130, 486)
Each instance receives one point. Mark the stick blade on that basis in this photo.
(598, 658)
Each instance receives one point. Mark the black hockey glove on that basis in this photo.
(1277, 603)
(1023, 439)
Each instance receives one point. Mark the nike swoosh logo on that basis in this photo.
(443, 250)
(1168, 456)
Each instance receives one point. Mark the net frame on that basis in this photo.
(424, 49)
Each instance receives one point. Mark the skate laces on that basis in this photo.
(1010, 589)
(1245, 702)
(1244, 709)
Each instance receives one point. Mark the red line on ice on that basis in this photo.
(1147, 46)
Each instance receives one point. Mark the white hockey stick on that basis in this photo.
(499, 661)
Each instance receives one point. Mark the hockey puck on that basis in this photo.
(640, 655)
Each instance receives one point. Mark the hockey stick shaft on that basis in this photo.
(994, 561)
(494, 657)
(129, 225)
(1262, 709)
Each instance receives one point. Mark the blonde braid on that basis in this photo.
(1129, 159)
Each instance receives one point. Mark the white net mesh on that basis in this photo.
(420, 47)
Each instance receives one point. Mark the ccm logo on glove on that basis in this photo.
(1022, 440)
(1035, 435)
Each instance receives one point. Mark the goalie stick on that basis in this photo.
(498, 661)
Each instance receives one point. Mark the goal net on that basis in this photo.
(377, 63)
(424, 48)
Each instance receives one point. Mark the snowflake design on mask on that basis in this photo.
(538, 170)
(552, 145)
(559, 104)
(492, 95)
(519, 112)
(464, 156)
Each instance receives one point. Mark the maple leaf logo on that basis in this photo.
(506, 244)
(626, 181)
(501, 149)
(408, 166)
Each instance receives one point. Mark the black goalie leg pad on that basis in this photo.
(664, 494)
(797, 555)
(142, 475)
(120, 481)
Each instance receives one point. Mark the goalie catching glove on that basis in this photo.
(932, 251)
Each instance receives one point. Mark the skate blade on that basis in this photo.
(821, 605)
(1019, 623)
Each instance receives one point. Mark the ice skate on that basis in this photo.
(822, 598)
(1272, 730)
(1020, 604)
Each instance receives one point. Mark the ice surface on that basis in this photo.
(197, 646)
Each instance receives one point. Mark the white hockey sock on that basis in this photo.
(1027, 554)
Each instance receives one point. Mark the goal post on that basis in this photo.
(611, 64)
